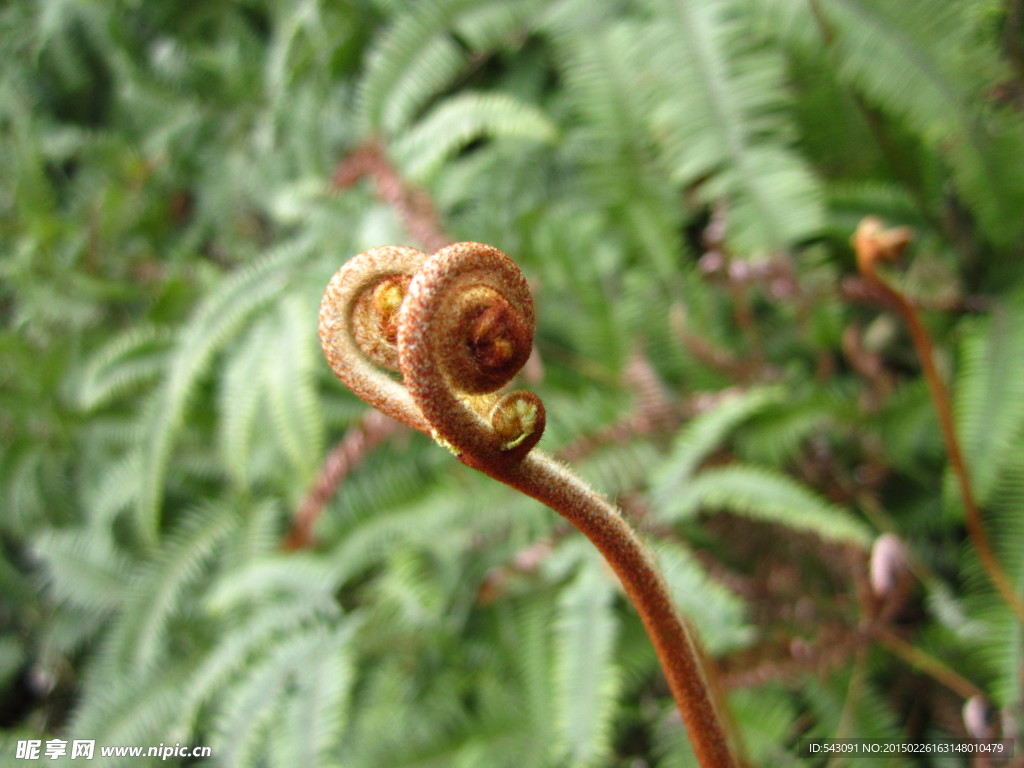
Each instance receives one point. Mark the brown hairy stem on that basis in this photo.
(873, 243)
(420, 218)
(464, 329)
(413, 205)
(372, 430)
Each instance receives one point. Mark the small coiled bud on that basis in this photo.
(518, 419)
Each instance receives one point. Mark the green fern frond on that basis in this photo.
(849, 202)
(873, 38)
(951, 613)
(249, 712)
(247, 716)
(241, 389)
(718, 614)
(410, 64)
(291, 389)
(999, 645)
(84, 567)
(585, 677)
(130, 709)
(375, 526)
(988, 399)
(528, 626)
(36, 482)
(407, 592)
(768, 495)
(770, 720)
(908, 57)
(127, 361)
(156, 593)
(777, 433)
(23, 486)
(672, 745)
(620, 465)
(604, 91)
(216, 321)
(908, 429)
(613, 145)
(311, 729)
(257, 535)
(163, 404)
(390, 692)
(272, 576)
(461, 119)
(584, 289)
(239, 645)
(305, 40)
(702, 435)
(993, 188)
(117, 490)
(847, 705)
(1007, 511)
(718, 116)
(496, 23)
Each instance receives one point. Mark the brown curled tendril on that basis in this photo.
(458, 325)
(354, 321)
(464, 331)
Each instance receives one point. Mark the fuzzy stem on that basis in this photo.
(372, 430)
(464, 328)
(551, 483)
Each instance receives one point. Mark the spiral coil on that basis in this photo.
(458, 325)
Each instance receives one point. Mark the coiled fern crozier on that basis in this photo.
(458, 325)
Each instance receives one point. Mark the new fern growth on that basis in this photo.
(458, 325)
(873, 243)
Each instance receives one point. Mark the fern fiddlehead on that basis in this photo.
(458, 325)
(872, 244)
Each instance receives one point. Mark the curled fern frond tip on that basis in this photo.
(457, 325)
(872, 243)
(518, 418)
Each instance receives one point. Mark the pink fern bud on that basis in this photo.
(978, 718)
(888, 564)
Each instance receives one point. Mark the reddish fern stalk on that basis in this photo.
(458, 326)
(873, 243)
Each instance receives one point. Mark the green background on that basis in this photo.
(679, 180)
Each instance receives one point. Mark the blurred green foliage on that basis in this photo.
(679, 179)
